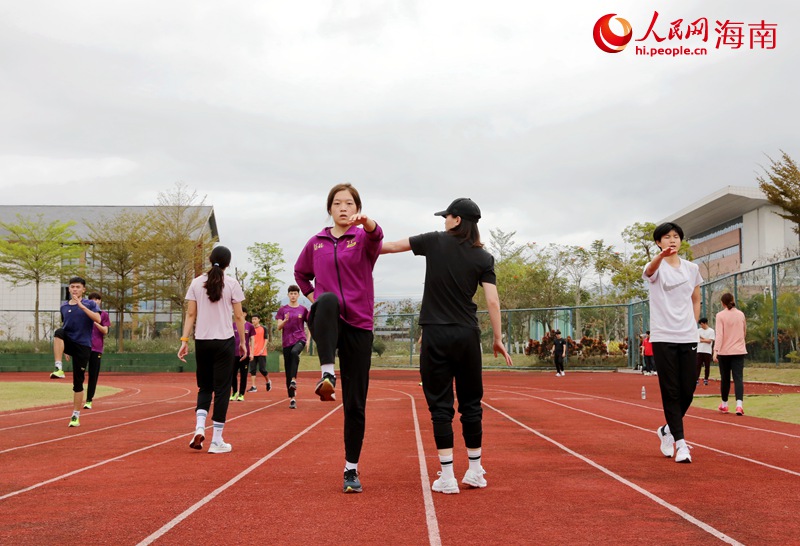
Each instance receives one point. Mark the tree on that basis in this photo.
(121, 252)
(782, 187)
(503, 247)
(33, 253)
(604, 259)
(181, 243)
(261, 293)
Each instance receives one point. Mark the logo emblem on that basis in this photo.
(606, 39)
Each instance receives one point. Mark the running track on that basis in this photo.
(570, 460)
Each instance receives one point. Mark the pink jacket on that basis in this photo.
(731, 331)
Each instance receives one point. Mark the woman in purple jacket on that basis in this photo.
(339, 260)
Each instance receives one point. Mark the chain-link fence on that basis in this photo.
(599, 335)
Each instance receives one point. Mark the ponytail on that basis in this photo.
(220, 259)
(727, 300)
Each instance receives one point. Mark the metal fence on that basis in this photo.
(769, 296)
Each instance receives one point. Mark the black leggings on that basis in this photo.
(355, 358)
(239, 367)
(676, 364)
(214, 362)
(291, 362)
(453, 352)
(94, 374)
(728, 364)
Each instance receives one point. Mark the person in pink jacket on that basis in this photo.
(339, 260)
(730, 351)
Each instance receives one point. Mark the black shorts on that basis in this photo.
(258, 363)
(80, 359)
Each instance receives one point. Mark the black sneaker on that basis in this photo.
(292, 388)
(253, 389)
(293, 404)
(269, 385)
(351, 483)
(325, 387)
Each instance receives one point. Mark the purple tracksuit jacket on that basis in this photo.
(344, 267)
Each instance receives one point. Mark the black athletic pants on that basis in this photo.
(676, 364)
(453, 352)
(239, 367)
(728, 364)
(94, 373)
(291, 362)
(703, 359)
(214, 362)
(355, 358)
(559, 362)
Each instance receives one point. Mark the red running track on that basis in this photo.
(569, 460)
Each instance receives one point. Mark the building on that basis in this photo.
(735, 228)
(18, 302)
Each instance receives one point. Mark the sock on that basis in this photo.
(680, 443)
(76, 414)
(474, 459)
(201, 418)
(58, 364)
(217, 438)
(350, 466)
(724, 403)
(447, 467)
(327, 368)
(739, 403)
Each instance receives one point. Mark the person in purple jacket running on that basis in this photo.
(98, 336)
(292, 318)
(339, 260)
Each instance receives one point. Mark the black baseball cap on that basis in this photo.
(464, 207)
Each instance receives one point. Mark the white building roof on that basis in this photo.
(717, 208)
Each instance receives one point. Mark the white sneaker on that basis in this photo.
(474, 479)
(667, 442)
(197, 438)
(683, 455)
(445, 485)
(219, 447)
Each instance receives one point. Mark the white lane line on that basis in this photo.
(658, 500)
(651, 408)
(124, 455)
(94, 431)
(434, 538)
(650, 431)
(97, 412)
(221, 489)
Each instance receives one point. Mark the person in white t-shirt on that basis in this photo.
(704, 345)
(674, 285)
(210, 301)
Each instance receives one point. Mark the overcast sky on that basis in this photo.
(263, 106)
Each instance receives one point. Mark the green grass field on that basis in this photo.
(16, 395)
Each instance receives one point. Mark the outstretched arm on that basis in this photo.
(403, 245)
(493, 304)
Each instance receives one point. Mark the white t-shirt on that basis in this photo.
(705, 333)
(214, 319)
(672, 317)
